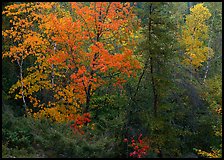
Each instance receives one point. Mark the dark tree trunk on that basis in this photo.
(88, 89)
(88, 97)
(155, 95)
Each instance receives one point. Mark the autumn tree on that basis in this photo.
(194, 36)
(93, 45)
(25, 40)
(78, 48)
(30, 40)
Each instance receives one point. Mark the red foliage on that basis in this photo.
(139, 149)
(79, 122)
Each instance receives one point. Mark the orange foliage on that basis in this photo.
(76, 50)
(79, 122)
(86, 36)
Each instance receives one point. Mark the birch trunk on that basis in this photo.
(22, 84)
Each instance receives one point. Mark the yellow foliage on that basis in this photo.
(58, 113)
(213, 154)
(194, 36)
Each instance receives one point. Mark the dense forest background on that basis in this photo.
(112, 79)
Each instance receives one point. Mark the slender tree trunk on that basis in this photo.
(209, 43)
(141, 76)
(88, 98)
(52, 66)
(206, 71)
(88, 89)
(155, 95)
(98, 35)
(52, 76)
(22, 84)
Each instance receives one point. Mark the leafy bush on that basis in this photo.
(58, 140)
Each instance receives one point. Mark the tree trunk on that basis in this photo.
(155, 95)
(52, 66)
(88, 89)
(141, 76)
(209, 43)
(88, 97)
(22, 84)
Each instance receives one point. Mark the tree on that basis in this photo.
(213, 65)
(212, 94)
(96, 48)
(150, 109)
(25, 40)
(77, 50)
(194, 36)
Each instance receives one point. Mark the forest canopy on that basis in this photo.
(112, 79)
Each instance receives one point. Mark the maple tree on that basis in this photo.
(76, 51)
(93, 45)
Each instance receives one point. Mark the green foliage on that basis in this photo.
(15, 134)
(213, 95)
(58, 140)
(28, 152)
